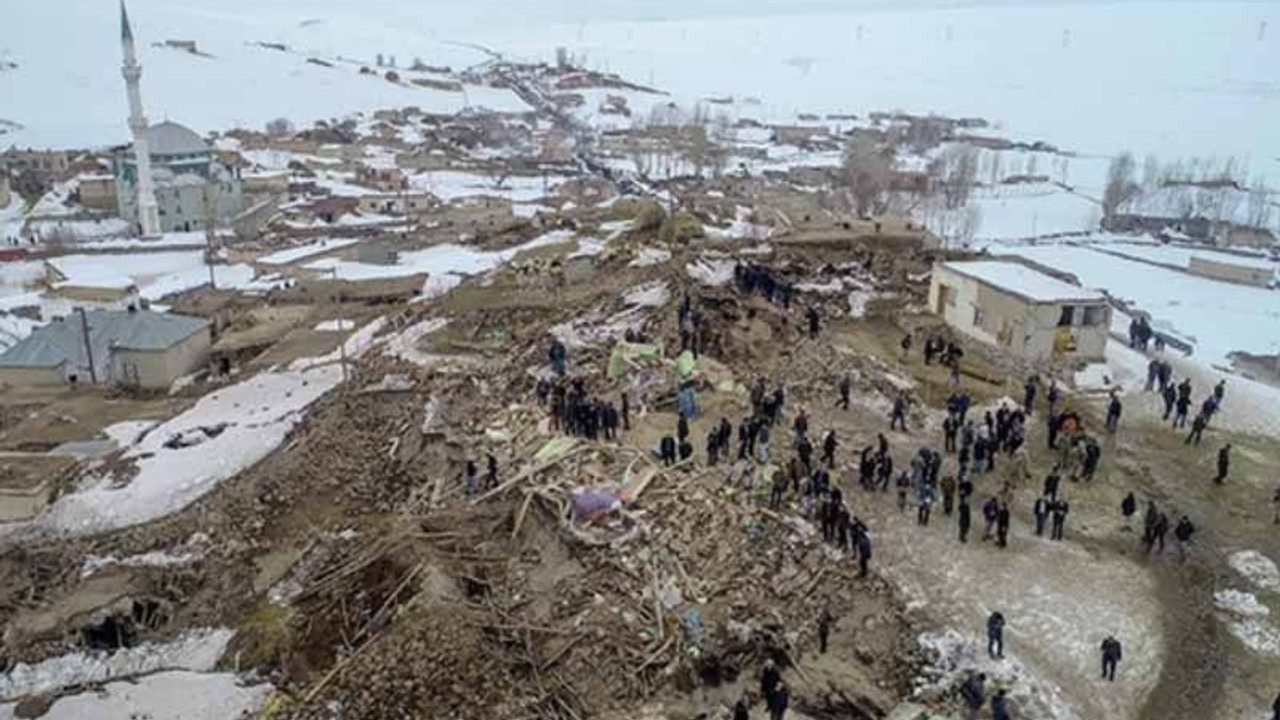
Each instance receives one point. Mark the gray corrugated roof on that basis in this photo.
(63, 340)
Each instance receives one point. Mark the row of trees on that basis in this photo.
(1188, 188)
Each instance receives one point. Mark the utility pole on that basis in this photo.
(209, 191)
(88, 347)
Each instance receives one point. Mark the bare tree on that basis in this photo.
(280, 127)
(868, 173)
(1258, 210)
(960, 173)
(1121, 189)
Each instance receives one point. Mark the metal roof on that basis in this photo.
(62, 341)
(171, 138)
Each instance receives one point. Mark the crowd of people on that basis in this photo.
(798, 466)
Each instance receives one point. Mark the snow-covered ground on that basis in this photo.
(154, 274)
(1221, 317)
(1092, 77)
(195, 650)
(268, 82)
(284, 257)
(437, 260)
(450, 185)
(1012, 213)
(174, 695)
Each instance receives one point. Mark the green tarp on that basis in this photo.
(627, 356)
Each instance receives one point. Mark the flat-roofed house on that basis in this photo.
(1030, 314)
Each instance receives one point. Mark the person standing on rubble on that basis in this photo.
(974, 694)
(899, 416)
(1128, 507)
(846, 388)
(779, 702)
(770, 679)
(713, 447)
(995, 635)
(829, 444)
(814, 322)
(864, 552)
(950, 426)
(999, 706)
(558, 355)
(824, 629)
(905, 348)
(779, 490)
(1002, 525)
(742, 708)
(667, 450)
(469, 479)
(800, 428)
(1030, 389)
(904, 486)
(491, 472)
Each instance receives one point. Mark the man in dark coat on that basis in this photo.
(779, 702)
(1111, 654)
(864, 553)
(965, 520)
(1002, 526)
(1128, 507)
(1059, 510)
(1041, 513)
(1224, 463)
(995, 635)
(770, 679)
(824, 629)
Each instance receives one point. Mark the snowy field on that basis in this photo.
(1221, 317)
(1115, 85)
(257, 83)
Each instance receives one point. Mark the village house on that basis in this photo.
(1237, 269)
(396, 203)
(134, 347)
(98, 192)
(1030, 314)
(384, 179)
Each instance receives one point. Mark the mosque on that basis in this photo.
(169, 179)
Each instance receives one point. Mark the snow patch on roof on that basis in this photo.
(1022, 280)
